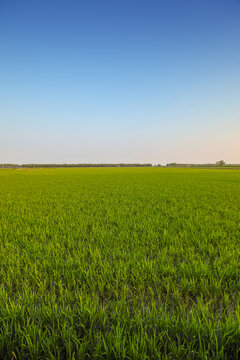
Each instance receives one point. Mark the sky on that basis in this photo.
(109, 81)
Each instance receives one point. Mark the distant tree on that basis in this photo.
(172, 164)
(220, 163)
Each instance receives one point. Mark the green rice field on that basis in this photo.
(119, 263)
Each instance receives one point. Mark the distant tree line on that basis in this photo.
(71, 165)
(220, 163)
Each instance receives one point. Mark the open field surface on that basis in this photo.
(119, 264)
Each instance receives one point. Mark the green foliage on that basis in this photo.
(220, 162)
(72, 165)
(119, 264)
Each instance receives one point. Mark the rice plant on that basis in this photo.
(119, 263)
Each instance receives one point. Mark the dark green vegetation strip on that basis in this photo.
(119, 264)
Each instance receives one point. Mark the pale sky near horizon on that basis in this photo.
(119, 81)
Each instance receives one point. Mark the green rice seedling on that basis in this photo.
(119, 263)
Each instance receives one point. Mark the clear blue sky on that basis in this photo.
(119, 81)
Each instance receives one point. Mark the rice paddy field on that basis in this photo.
(119, 263)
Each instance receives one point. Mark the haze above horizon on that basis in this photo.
(119, 81)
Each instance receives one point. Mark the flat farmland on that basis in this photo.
(119, 263)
